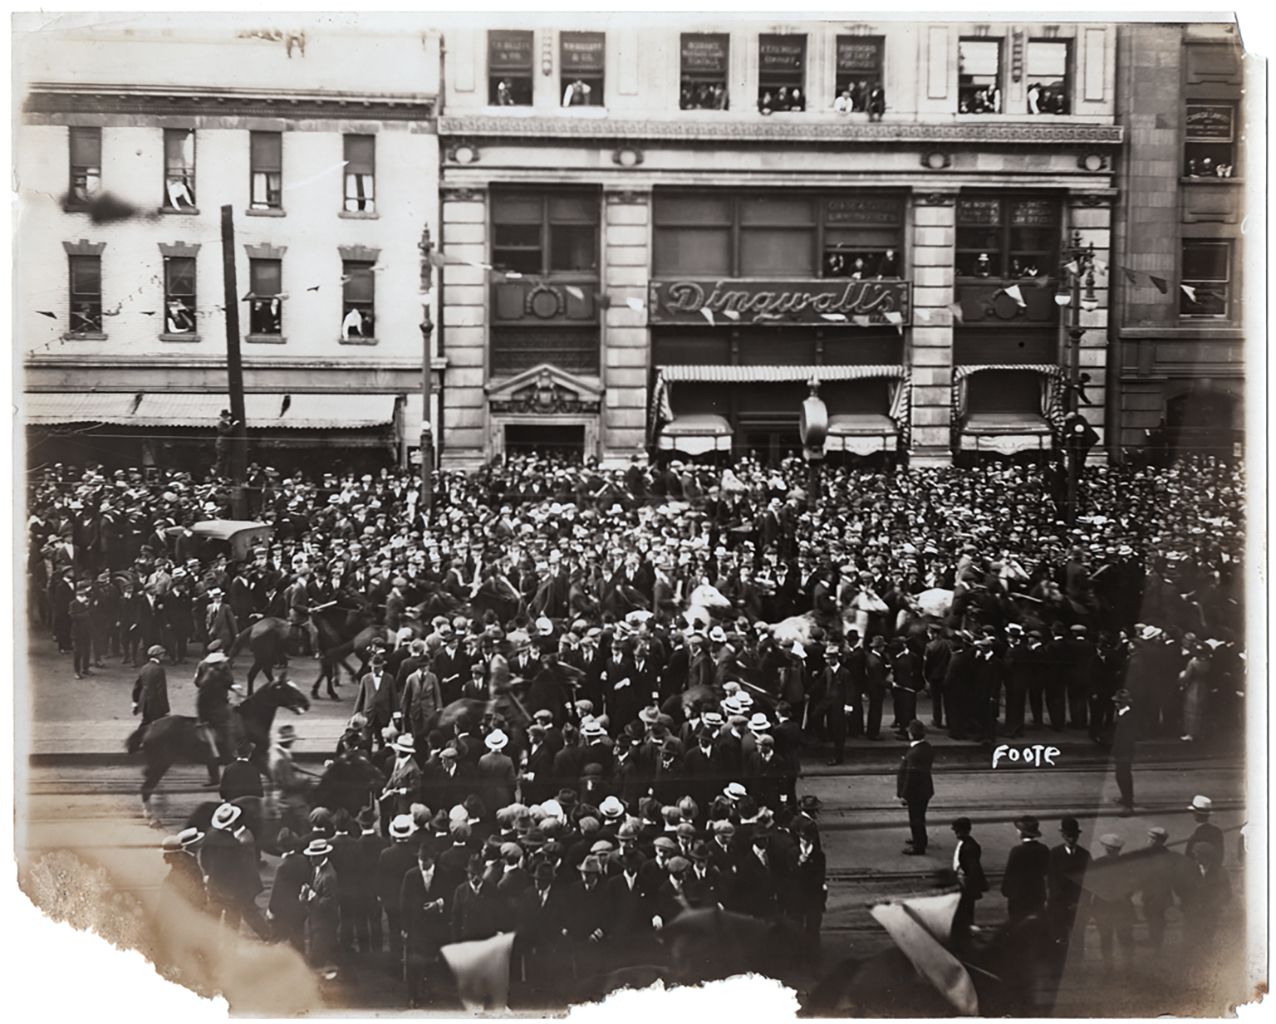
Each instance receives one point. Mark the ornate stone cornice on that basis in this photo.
(50, 100)
(461, 194)
(964, 132)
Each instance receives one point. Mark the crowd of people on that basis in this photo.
(646, 653)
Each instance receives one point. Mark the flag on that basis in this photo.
(731, 314)
(955, 309)
(893, 317)
(482, 971)
(575, 292)
(1072, 268)
(661, 411)
(437, 259)
(707, 313)
(860, 321)
(837, 318)
(923, 315)
(1014, 292)
(1159, 282)
(45, 312)
(1189, 291)
(1129, 275)
(919, 927)
(635, 304)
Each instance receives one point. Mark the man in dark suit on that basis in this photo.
(150, 692)
(425, 925)
(376, 699)
(989, 677)
(392, 864)
(1020, 669)
(320, 895)
(474, 904)
(877, 681)
(1065, 896)
(837, 694)
(1024, 882)
(970, 876)
(914, 785)
(241, 777)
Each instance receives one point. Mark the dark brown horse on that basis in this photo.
(175, 738)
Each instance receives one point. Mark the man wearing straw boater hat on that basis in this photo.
(319, 894)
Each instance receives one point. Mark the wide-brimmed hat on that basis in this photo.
(612, 808)
(1028, 825)
(496, 740)
(226, 815)
(287, 733)
(591, 727)
(735, 791)
(649, 714)
(1201, 804)
(759, 722)
(402, 826)
(405, 744)
(318, 848)
(591, 865)
(183, 840)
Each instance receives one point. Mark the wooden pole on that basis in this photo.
(234, 369)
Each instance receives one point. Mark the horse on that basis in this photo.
(268, 639)
(351, 781)
(176, 738)
(338, 628)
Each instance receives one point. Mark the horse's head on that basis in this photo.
(283, 694)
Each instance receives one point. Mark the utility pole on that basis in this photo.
(426, 245)
(234, 370)
(1082, 258)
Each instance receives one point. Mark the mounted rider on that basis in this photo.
(213, 683)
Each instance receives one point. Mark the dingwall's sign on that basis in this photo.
(815, 302)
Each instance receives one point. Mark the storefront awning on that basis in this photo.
(860, 433)
(774, 374)
(696, 434)
(170, 409)
(1005, 433)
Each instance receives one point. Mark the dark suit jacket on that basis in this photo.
(914, 781)
(240, 778)
(971, 871)
(426, 930)
(1025, 877)
(150, 692)
(473, 913)
(377, 702)
(1063, 873)
(393, 863)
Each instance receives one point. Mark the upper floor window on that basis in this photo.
(86, 163)
(778, 235)
(265, 297)
(705, 61)
(179, 168)
(358, 292)
(1206, 278)
(979, 76)
(1007, 236)
(583, 59)
(179, 295)
(86, 294)
(360, 156)
(266, 159)
(858, 81)
(781, 73)
(1047, 76)
(509, 68)
(1210, 141)
(545, 233)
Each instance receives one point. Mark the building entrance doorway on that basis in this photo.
(564, 440)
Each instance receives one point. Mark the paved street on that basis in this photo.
(82, 789)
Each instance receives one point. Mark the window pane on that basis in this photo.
(765, 252)
(1205, 261)
(179, 148)
(527, 236)
(509, 51)
(516, 210)
(358, 286)
(572, 209)
(693, 251)
(86, 147)
(521, 261)
(267, 151)
(181, 275)
(572, 247)
(265, 277)
(692, 210)
(978, 58)
(779, 212)
(1047, 60)
(360, 153)
(86, 275)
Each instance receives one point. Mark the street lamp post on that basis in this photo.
(426, 245)
(1080, 268)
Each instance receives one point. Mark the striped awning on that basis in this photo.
(860, 433)
(172, 409)
(696, 434)
(774, 374)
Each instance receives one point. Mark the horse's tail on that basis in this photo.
(134, 742)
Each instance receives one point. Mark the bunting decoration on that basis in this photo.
(1189, 291)
(1160, 283)
(636, 305)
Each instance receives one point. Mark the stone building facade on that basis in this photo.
(680, 225)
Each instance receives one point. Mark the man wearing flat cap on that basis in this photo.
(150, 691)
(1113, 918)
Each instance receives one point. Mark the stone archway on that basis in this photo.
(1204, 421)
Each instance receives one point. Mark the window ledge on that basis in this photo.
(84, 336)
(191, 210)
(584, 110)
(359, 214)
(265, 339)
(1211, 179)
(165, 336)
(357, 341)
(273, 211)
